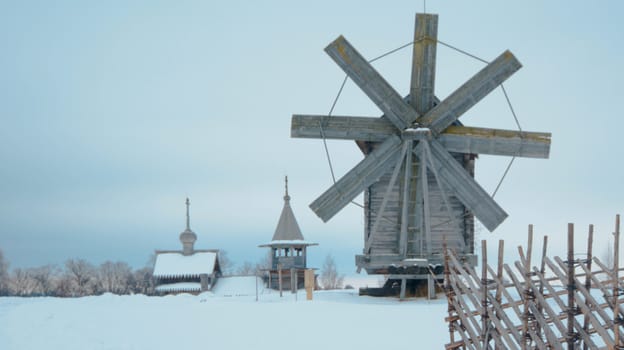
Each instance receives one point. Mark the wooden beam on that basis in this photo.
(498, 142)
(364, 174)
(372, 129)
(475, 89)
(464, 187)
(405, 210)
(372, 83)
(384, 202)
(423, 62)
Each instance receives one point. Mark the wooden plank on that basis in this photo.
(464, 187)
(597, 325)
(471, 92)
(426, 216)
(469, 276)
(468, 320)
(380, 214)
(406, 198)
(372, 83)
(423, 62)
(553, 341)
(357, 179)
(554, 317)
(500, 317)
(498, 142)
(371, 129)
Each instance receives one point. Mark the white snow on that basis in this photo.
(333, 320)
(236, 286)
(176, 264)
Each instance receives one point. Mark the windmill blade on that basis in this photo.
(369, 170)
(372, 83)
(341, 128)
(464, 139)
(422, 85)
(464, 187)
(475, 89)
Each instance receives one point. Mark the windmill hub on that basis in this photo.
(416, 134)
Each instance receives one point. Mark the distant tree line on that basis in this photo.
(76, 278)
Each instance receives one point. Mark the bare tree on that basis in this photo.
(114, 277)
(82, 275)
(330, 279)
(45, 279)
(143, 281)
(265, 262)
(22, 283)
(227, 267)
(4, 275)
(608, 254)
(246, 270)
(65, 286)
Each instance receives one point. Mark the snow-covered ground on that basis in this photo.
(229, 318)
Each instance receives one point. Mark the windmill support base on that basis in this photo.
(405, 286)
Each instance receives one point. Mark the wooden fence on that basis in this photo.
(561, 304)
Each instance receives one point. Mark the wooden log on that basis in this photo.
(570, 336)
(559, 301)
(617, 317)
(597, 324)
(469, 288)
(406, 205)
(590, 239)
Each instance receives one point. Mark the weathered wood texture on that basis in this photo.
(455, 226)
(464, 187)
(496, 142)
(550, 307)
(460, 139)
(415, 199)
(451, 108)
(401, 114)
(364, 174)
(422, 85)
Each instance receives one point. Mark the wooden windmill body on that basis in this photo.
(418, 172)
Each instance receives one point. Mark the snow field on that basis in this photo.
(333, 320)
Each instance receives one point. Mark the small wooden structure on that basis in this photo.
(571, 303)
(418, 169)
(188, 270)
(289, 250)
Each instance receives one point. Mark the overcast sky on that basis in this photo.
(112, 113)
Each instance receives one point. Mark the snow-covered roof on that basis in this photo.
(179, 287)
(175, 264)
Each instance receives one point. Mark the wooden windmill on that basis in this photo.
(417, 174)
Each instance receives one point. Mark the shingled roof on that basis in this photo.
(287, 230)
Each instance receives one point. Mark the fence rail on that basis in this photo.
(571, 303)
